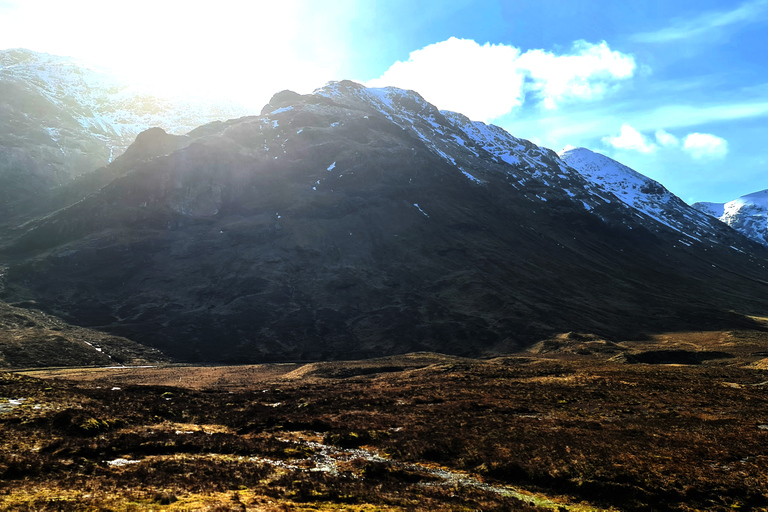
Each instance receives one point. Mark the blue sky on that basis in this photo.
(676, 90)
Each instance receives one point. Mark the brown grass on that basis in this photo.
(564, 428)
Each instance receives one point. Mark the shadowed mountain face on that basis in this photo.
(356, 222)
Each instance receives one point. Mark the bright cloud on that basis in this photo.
(698, 145)
(488, 81)
(705, 145)
(629, 138)
(666, 139)
(585, 74)
(481, 82)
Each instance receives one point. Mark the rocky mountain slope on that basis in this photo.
(60, 119)
(748, 214)
(31, 338)
(648, 197)
(354, 222)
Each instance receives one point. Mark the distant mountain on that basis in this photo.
(355, 222)
(748, 214)
(648, 197)
(60, 119)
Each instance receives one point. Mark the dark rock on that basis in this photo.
(281, 99)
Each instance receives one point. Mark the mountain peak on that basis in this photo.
(643, 194)
(747, 214)
(577, 150)
(281, 99)
(154, 142)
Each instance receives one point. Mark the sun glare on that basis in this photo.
(238, 50)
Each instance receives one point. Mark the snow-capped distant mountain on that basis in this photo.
(713, 209)
(60, 119)
(646, 196)
(748, 214)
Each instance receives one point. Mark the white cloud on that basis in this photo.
(704, 24)
(488, 81)
(629, 138)
(585, 74)
(698, 145)
(481, 82)
(705, 145)
(666, 139)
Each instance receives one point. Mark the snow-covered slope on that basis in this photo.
(646, 196)
(474, 148)
(713, 209)
(60, 119)
(104, 104)
(593, 181)
(748, 214)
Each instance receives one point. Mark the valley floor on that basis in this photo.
(677, 422)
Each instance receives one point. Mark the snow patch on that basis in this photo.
(116, 463)
(419, 208)
(281, 109)
(469, 176)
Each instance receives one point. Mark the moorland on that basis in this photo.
(674, 422)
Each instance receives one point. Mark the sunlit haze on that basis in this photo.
(678, 92)
(240, 50)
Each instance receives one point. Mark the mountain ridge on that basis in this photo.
(60, 119)
(747, 214)
(355, 222)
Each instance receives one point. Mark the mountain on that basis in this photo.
(60, 119)
(354, 222)
(648, 197)
(748, 214)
